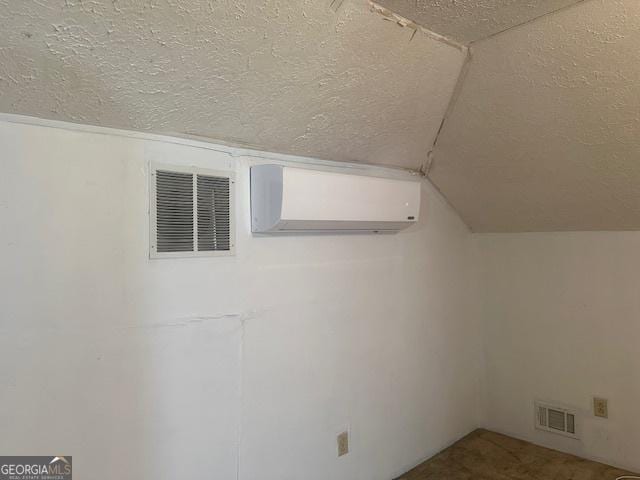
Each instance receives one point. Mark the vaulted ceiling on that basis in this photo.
(472, 20)
(545, 130)
(288, 76)
(524, 113)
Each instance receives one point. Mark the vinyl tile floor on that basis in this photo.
(484, 455)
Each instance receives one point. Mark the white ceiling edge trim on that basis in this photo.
(235, 151)
(217, 146)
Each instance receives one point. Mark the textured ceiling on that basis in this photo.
(292, 77)
(471, 20)
(545, 133)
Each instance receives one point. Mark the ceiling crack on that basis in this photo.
(335, 5)
(547, 14)
(428, 163)
(400, 20)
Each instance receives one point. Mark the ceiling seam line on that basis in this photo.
(547, 14)
(455, 94)
(389, 14)
(450, 205)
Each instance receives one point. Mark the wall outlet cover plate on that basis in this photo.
(343, 443)
(601, 407)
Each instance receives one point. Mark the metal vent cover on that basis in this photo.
(174, 207)
(555, 419)
(191, 212)
(214, 214)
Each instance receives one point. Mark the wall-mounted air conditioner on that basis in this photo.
(286, 199)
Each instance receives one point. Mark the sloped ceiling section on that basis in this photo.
(545, 134)
(468, 21)
(292, 77)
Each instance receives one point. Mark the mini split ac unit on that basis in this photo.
(286, 199)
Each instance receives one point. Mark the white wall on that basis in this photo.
(562, 323)
(244, 367)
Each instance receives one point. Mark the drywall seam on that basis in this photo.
(390, 15)
(553, 12)
(501, 161)
(405, 22)
(426, 166)
(214, 145)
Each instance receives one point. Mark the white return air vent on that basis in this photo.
(555, 419)
(286, 199)
(191, 212)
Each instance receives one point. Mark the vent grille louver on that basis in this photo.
(174, 207)
(555, 419)
(542, 416)
(213, 213)
(191, 212)
(571, 423)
